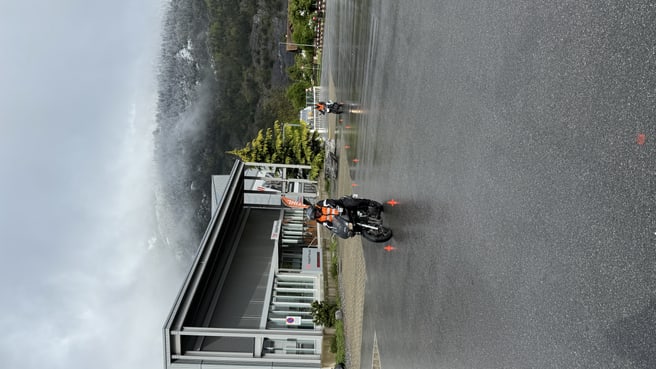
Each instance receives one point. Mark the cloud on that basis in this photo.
(84, 281)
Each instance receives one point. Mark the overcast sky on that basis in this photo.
(82, 285)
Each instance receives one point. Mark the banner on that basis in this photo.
(293, 203)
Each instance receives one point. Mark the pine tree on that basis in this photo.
(285, 144)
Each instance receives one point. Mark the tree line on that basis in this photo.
(236, 83)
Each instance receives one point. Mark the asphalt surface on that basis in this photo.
(519, 139)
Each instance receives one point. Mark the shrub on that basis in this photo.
(296, 93)
(323, 313)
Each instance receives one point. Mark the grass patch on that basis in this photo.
(334, 264)
(340, 343)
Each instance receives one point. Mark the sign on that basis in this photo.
(311, 259)
(275, 230)
(293, 320)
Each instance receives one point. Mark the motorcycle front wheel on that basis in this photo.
(382, 234)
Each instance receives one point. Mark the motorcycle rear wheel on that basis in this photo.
(382, 234)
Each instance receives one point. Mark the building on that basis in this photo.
(309, 115)
(246, 300)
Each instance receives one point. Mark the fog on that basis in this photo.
(86, 279)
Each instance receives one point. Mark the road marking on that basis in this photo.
(375, 361)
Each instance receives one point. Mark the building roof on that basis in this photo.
(230, 203)
(219, 186)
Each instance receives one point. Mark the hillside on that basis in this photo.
(222, 76)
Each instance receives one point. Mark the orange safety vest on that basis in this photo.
(327, 214)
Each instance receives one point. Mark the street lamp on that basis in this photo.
(294, 44)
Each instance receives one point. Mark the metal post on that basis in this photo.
(295, 44)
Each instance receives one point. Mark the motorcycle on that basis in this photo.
(330, 107)
(334, 107)
(363, 219)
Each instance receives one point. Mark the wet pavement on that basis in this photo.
(519, 140)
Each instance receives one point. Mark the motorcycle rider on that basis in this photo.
(328, 107)
(349, 215)
(325, 211)
(321, 107)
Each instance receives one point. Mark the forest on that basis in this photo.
(222, 78)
